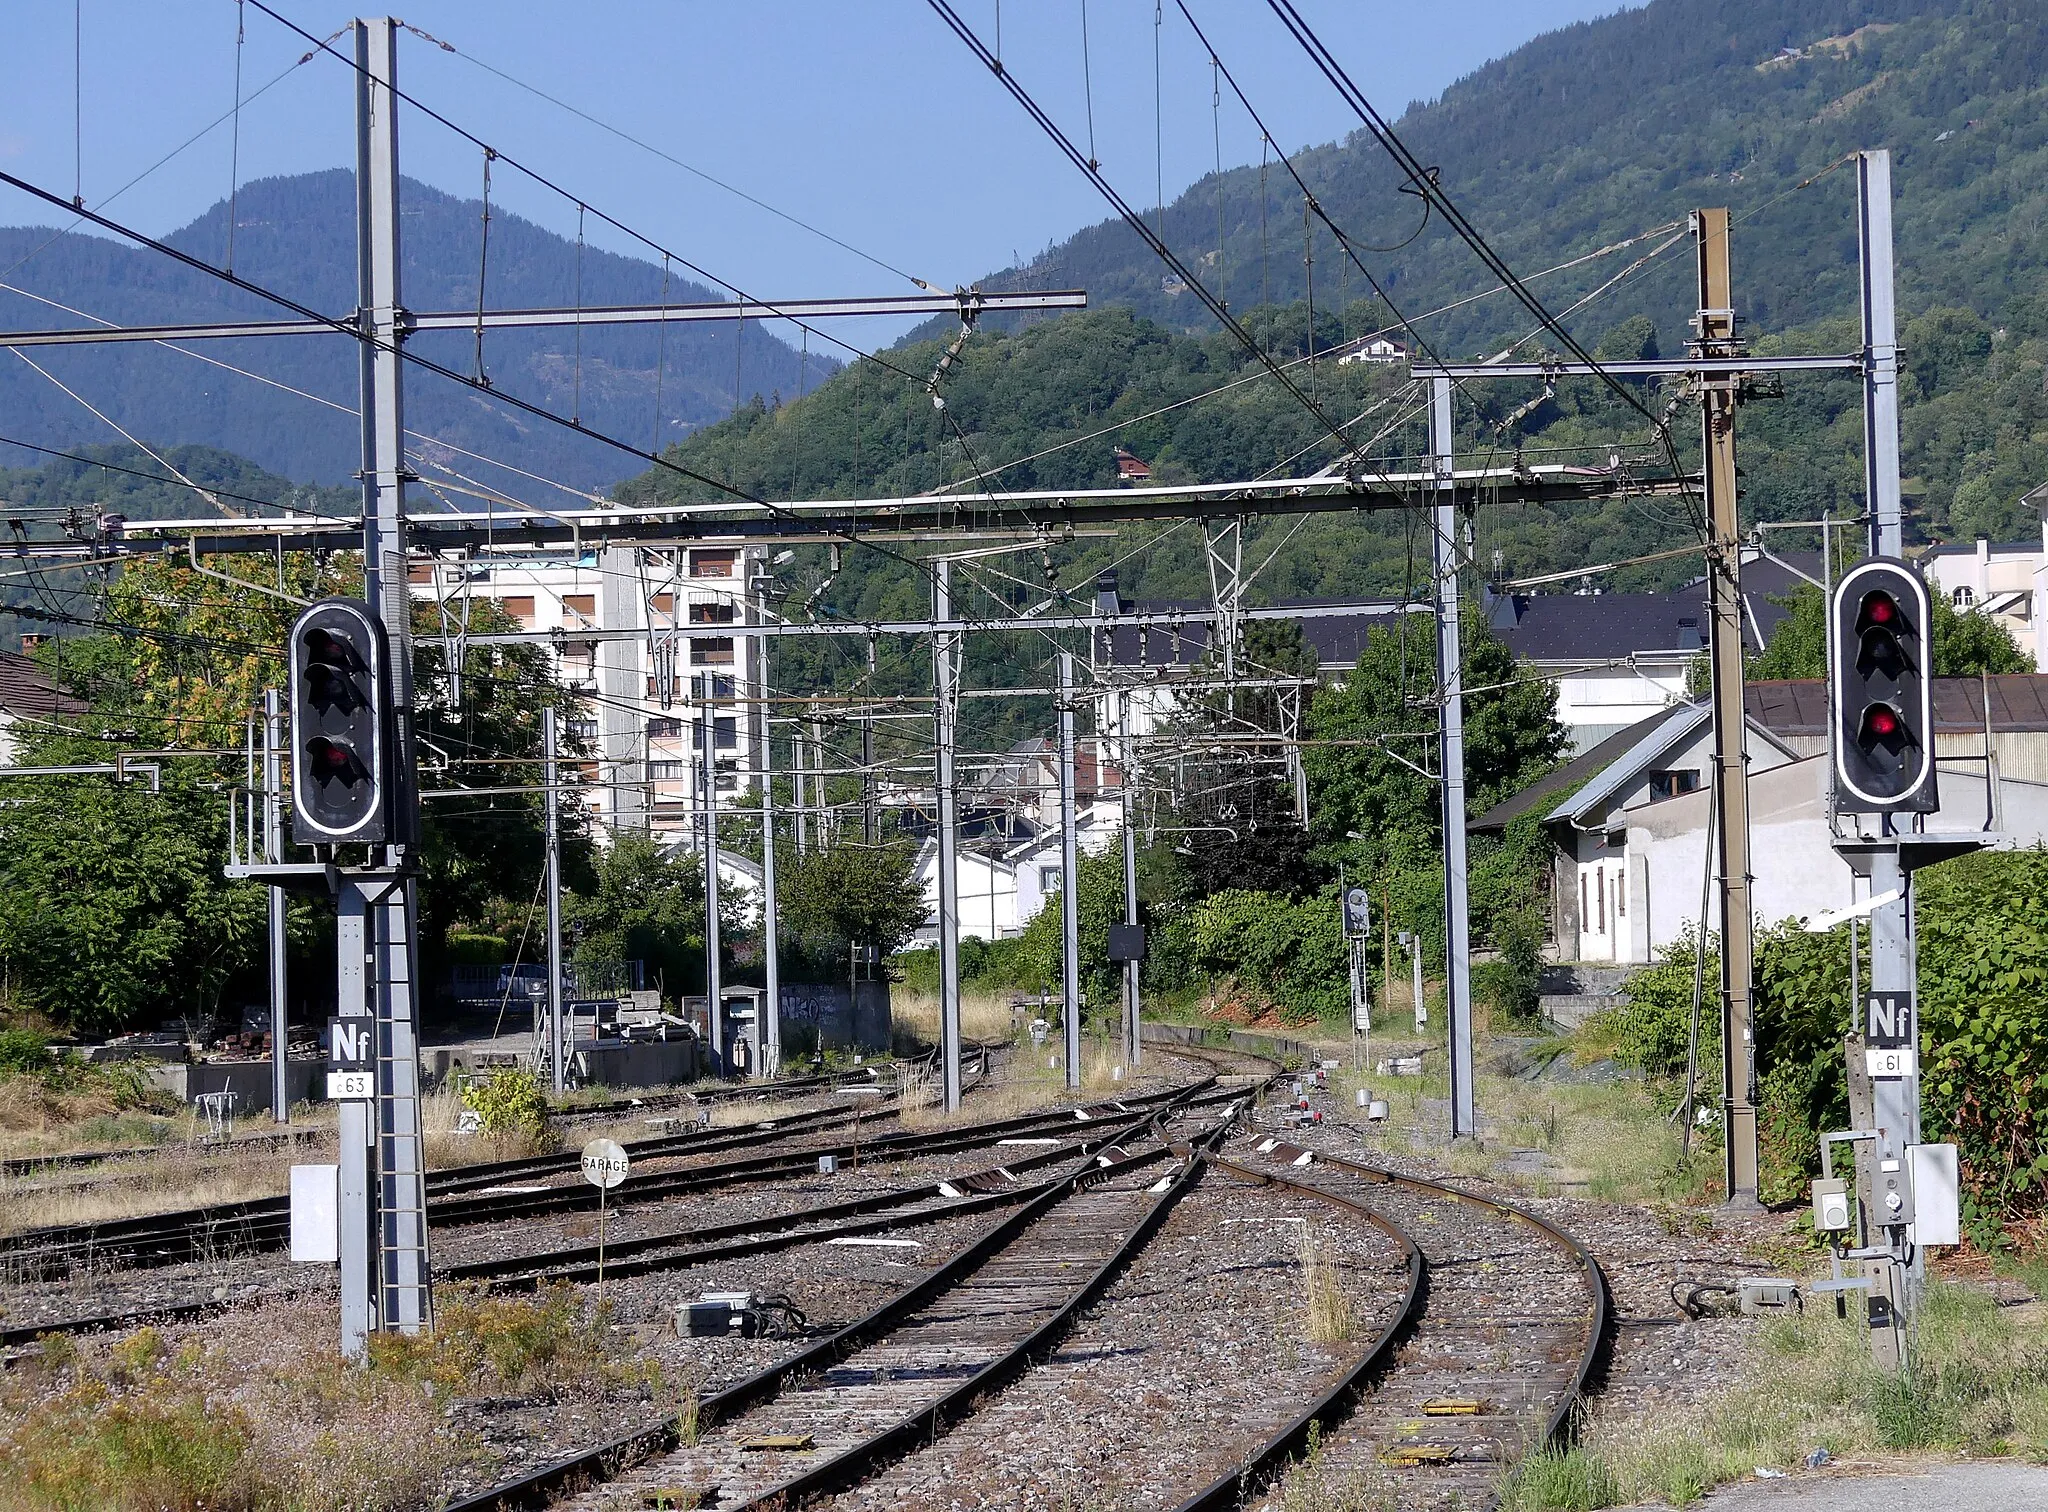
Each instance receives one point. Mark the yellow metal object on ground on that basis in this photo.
(1453, 1406)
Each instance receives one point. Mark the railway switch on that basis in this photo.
(1831, 1206)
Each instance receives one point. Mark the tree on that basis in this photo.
(1380, 722)
(113, 910)
(643, 903)
(847, 894)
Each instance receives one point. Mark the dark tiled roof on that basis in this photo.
(2019, 701)
(1600, 626)
(1542, 794)
(26, 692)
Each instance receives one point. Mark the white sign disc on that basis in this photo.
(604, 1163)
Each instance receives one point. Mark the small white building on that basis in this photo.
(1796, 871)
(2001, 580)
(1004, 884)
(1630, 815)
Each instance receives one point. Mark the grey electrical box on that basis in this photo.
(1831, 1210)
(1937, 1194)
(1893, 1193)
(1767, 1295)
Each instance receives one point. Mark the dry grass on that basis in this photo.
(1980, 1388)
(1330, 1318)
(261, 1416)
(983, 1015)
(176, 1176)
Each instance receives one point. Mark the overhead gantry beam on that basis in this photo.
(890, 521)
(969, 305)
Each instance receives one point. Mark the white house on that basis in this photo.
(1630, 815)
(1002, 884)
(2001, 580)
(1796, 871)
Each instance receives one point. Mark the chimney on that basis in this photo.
(30, 640)
(1106, 599)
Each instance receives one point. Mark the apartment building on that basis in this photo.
(637, 633)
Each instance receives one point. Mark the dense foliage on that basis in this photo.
(1983, 963)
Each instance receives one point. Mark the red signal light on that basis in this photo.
(1883, 722)
(1880, 608)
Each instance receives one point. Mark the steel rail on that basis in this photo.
(1228, 1491)
(606, 1461)
(264, 1223)
(746, 1237)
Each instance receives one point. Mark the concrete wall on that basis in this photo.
(636, 1063)
(305, 1081)
(841, 1021)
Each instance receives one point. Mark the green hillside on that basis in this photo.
(1582, 138)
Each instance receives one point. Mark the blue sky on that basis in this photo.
(865, 117)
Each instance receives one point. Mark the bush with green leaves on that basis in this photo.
(1982, 926)
(511, 1101)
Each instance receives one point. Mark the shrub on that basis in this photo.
(511, 1101)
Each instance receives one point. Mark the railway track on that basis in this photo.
(1504, 1324)
(1093, 1127)
(466, 1194)
(851, 1403)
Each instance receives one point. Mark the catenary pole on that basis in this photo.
(1880, 355)
(1070, 877)
(945, 674)
(1134, 1040)
(771, 964)
(273, 853)
(714, 982)
(404, 1300)
(1451, 737)
(1716, 337)
(558, 1041)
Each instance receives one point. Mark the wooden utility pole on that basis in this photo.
(1715, 337)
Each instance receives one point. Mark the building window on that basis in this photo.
(1669, 784)
(727, 737)
(1585, 913)
(520, 609)
(716, 612)
(714, 563)
(1048, 879)
(664, 729)
(1964, 597)
(709, 652)
(1621, 895)
(1600, 899)
(584, 604)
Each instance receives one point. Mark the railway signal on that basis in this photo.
(340, 719)
(1881, 627)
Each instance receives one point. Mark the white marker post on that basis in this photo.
(604, 1166)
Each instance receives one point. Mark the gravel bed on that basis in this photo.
(1660, 1358)
(1196, 1353)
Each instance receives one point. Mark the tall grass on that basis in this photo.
(1979, 1386)
(1330, 1317)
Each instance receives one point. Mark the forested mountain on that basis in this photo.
(1603, 129)
(297, 236)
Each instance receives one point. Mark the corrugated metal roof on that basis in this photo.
(1566, 777)
(2019, 701)
(1666, 731)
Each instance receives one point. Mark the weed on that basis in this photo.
(1561, 1480)
(1330, 1318)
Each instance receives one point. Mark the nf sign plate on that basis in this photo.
(352, 1044)
(604, 1163)
(351, 1058)
(1891, 1033)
